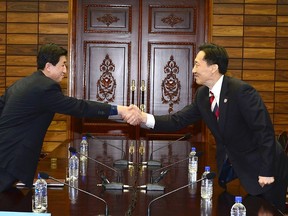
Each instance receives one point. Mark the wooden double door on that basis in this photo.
(135, 52)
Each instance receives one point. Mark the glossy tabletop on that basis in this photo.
(135, 175)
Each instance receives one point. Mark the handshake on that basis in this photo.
(132, 114)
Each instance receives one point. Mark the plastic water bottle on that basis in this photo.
(83, 148)
(192, 165)
(192, 171)
(206, 185)
(73, 167)
(40, 195)
(238, 209)
(193, 160)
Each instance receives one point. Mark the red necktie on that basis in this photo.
(214, 106)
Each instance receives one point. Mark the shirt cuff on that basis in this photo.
(113, 110)
(150, 123)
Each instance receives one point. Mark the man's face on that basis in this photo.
(202, 71)
(57, 72)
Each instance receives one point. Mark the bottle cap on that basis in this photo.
(238, 199)
(193, 149)
(84, 138)
(207, 168)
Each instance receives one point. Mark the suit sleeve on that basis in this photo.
(258, 120)
(55, 101)
(179, 120)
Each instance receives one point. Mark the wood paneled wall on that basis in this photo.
(24, 27)
(255, 33)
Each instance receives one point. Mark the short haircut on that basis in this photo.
(215, 54)
(49, 53)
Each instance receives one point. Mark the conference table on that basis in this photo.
(135, 165)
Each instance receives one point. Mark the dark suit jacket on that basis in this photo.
(26, 111)
(244, 131)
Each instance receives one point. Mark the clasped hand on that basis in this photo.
(132, 114)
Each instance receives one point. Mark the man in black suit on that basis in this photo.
(244, 134)
(27, 109)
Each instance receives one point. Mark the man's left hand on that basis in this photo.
(263, 180)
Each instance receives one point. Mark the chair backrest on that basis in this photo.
(283, 140)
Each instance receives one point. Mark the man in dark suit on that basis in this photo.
(243, 131)
(27, 109)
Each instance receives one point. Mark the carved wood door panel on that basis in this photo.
(135, 51)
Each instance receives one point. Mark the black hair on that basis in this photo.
(49, 53)
(215, 54)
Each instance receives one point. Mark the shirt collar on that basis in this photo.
(216, 89)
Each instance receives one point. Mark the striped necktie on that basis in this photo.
(214, 106)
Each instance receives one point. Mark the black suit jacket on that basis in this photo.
(26, 111)
(244, 131)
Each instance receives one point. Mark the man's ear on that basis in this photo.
(48, 66)
(214, 68)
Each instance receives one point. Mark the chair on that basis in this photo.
(283, 140)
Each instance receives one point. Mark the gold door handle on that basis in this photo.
(133, 89)
(143, 89)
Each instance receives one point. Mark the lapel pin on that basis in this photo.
(225, 100)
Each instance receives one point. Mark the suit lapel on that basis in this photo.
(223, 103)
